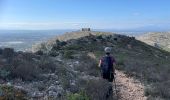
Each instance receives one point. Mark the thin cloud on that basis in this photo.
(136, 14)
(42, 25)
(77, 25)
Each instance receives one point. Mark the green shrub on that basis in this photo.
(26, 70)
(73, 47)
(98, 89)
(68, 54)
(78, 96)
(98, 54)
(39, 52)
(46, 65)
(159, 89)
(62, 43)
(53, 53)
(1, 51)
(88, 65)
(10, 93)
(8, 52)
(65, 81)
(120, 61)
(4, 73)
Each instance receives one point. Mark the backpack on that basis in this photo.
(107, 68)
(106, 64)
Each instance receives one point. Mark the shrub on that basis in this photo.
(73, 47)
(25, 72)
(98, 34)
(28, 57)
(120, 61)
(53, 53)
(98, 89)
(46, 65)
(8, 52)
(1, 51)
(65, 81)
(4, 73)
(64, 75)
(88, 65)
(44, 47)
(68, 54)
(23, 69)
(98, 54)
(39, 52)
(10, 93)
(160, 89)
(78, 96)
(62, 43)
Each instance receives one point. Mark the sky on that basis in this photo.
(75, 14)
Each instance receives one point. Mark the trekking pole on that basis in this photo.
(115, 88)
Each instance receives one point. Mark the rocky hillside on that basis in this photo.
(66, 69)
(148, 64)
(54, 76)
(157, 39)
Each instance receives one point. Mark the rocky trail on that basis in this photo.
(128, 88)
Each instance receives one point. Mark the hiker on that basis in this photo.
(107, 64)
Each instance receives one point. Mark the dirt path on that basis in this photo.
(129, 88)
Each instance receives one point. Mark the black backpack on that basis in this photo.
(106, 64)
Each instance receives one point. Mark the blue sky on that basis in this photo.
(74, 14)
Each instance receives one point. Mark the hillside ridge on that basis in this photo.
(157, 39)
(67, 68)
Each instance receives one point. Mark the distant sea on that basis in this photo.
(22, 40)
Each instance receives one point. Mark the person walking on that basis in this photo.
(107, 65)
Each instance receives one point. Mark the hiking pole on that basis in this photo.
(115, 87)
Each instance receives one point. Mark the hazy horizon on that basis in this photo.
(23, 40)
(102, 30)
